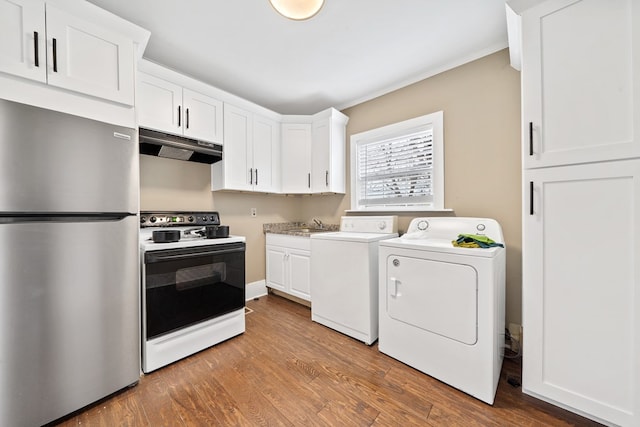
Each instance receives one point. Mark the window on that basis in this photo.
(399, 167)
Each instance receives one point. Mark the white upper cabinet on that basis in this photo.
(251, 153)
(158, 103)
(74, 53)
(202, 116)
(266, 154)
(580, 81)
(22, 51)
(296, 158)
(313, 154)
(87, 58)
(328, 152)
(168, 107)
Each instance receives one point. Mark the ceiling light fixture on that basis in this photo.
(298, 10)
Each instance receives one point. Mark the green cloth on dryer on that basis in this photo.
(475, 241)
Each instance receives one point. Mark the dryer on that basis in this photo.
(442, 308)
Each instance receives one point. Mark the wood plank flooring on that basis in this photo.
(286, 370)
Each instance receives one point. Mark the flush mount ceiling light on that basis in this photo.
(298, 10)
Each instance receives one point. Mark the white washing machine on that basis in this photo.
(442, 308)
(344, 275)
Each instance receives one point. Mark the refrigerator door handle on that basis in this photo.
(11, 218)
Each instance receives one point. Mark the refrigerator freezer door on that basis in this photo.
(56, 162)
(69, 316)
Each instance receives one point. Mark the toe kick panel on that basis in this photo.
(438, 297)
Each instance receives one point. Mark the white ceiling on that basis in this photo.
(352, 51)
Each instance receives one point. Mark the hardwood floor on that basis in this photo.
(286, 370)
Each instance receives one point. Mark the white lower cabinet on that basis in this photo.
(288, 264)
(581, 288)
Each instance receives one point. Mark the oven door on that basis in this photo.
(190, 285)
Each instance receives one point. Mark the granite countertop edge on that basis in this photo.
(287, 228)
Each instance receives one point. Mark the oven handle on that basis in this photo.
(151, 258)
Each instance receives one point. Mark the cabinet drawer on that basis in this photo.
(292, 242)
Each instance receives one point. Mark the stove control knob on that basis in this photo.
(142, 220)
(204, 218)
(480, 227)
(382, 225)
(423, 225)
(152, 219)
(211, 218)
(190, 219)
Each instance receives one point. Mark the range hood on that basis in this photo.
(176, 147)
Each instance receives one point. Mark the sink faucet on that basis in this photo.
(318, 223)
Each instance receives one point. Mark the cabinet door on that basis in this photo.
(320, 156)
(158, 104)
(299, 273)
(265, 141)
(296, 158)
(86, 58)
(238, 168)
(202, 117)
(581, 288)
(21, 23)
(275, 266)
(580, 83)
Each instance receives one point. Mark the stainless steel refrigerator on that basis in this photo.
(69, 269)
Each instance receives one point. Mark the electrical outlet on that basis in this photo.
(254, 212)
(515, 331)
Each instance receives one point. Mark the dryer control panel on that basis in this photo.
(449, 227)
(369, 224)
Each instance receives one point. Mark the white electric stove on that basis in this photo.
(193, 289)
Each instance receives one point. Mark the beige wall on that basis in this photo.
(174, 185)
(481, 104)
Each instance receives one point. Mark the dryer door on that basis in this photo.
(439, 297)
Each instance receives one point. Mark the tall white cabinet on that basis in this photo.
(581, 209)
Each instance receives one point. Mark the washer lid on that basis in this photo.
(440, 245)
(352, 237)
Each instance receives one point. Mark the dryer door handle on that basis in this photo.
(393, 287)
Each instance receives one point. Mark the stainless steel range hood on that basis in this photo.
(176, 147)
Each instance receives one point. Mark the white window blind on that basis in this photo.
(399, 166)
(397, 170)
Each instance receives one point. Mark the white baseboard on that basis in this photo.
(256, 289)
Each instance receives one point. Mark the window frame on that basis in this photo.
(434, 121)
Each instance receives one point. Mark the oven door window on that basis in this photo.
(187, 286)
